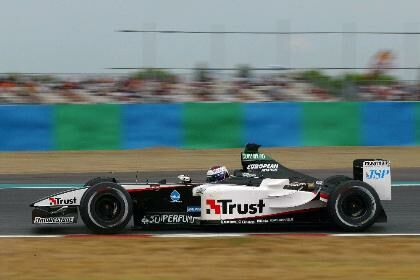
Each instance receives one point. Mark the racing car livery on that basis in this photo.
(262, 192)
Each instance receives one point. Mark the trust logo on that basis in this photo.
(53, 201)
(213, 206)
(226, 206)
(61, 201)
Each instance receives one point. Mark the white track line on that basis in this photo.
(374, 234)
(406, 185)
(213, 235)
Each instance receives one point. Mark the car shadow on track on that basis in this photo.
(272, 229)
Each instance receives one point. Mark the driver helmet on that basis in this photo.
(217, 174)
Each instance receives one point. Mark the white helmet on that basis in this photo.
(217, 174)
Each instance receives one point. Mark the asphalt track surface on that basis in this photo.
(15, 218)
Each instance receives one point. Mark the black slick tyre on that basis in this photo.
(98, 180)
(106, 208)
(354, 206)
(336, 180)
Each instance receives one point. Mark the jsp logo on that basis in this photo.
(377, 173)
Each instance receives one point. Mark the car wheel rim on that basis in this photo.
(354, 206)
(107, 207)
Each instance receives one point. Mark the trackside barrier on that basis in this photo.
(151, 125)
(208, 125)
(26, 128)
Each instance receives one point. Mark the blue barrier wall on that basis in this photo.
(388, 123)
(208, 125)
(151, 125)
(273, 124)
(26, 128)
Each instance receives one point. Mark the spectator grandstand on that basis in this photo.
(139, 88)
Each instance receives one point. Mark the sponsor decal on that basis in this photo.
(193, 209)
(54, 220)
(248, 175)
(258, 221)
(168, 219)
(319, 182)
(238, 222)
(253, 156)
(379, 163)
(61, 201)
(277, 220)
(226, 206)
(298, 185)
(175, 196)
(377, 174)
(264, 166)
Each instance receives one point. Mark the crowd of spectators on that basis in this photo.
(177, 88)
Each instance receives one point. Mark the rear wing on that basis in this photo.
(375, 172)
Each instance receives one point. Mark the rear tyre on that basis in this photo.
(354, 206)
(106, 208)
(98, 180)
(336, 180)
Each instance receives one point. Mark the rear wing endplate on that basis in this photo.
(375, 172)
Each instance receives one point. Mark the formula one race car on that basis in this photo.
(262, 192)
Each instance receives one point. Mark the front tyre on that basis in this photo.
(354, 206)
(106, 208)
